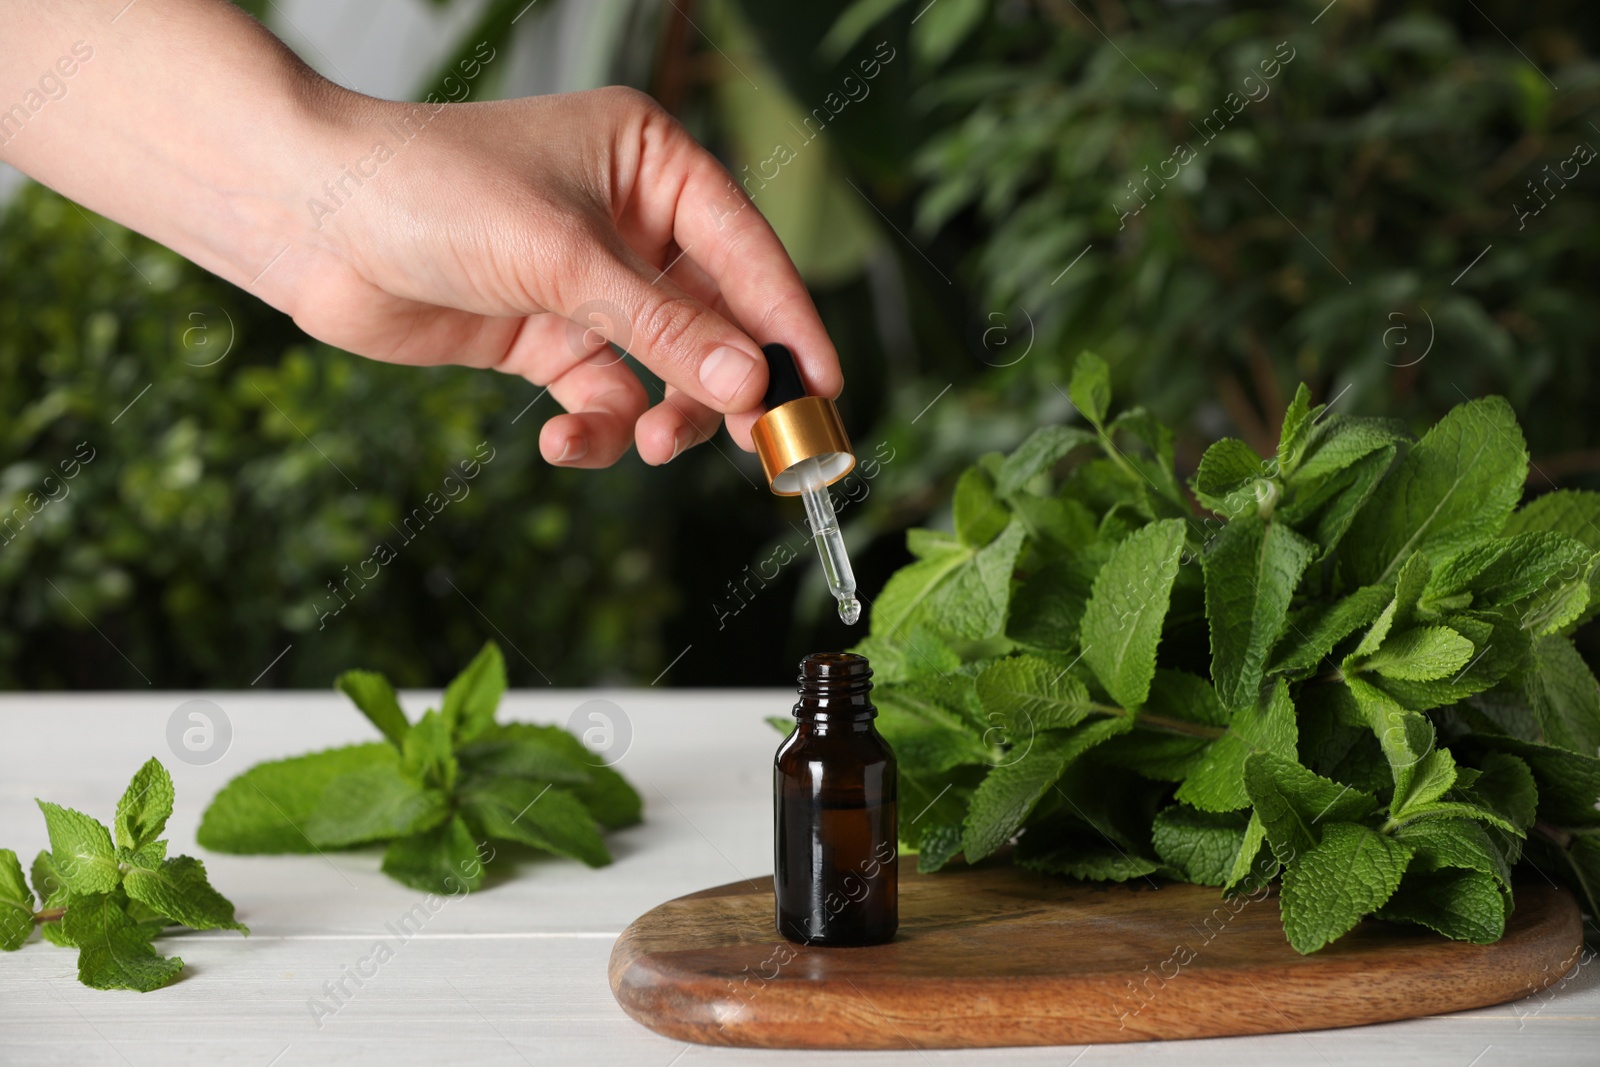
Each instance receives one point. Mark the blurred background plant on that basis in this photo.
(1392, 202)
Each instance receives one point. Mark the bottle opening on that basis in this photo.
(835, 681)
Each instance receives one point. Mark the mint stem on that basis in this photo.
(1176, 726)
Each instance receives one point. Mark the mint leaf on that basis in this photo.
(965, 592)
(1441, 843)
(1047, 611)
(426, 753)
(374, 803)
(1503, 571)
(544, 816)
(143, 811)
(113, 952)
(1405, 736)
(1090, 387)
(1056, 524)
(1457, 485)
(1328, 509)
(1298, 422)
(1171, 731)
(445, 859)
(1401, 609)
(529, 757)
(973, 604)
(1311, 636)
(1038, 454)
(149, 857)
(1568, 782)
(1250, 575)
(1084, 854)
(1154, 479)
(1501, 646)
(1226, 479)
(1122, 620)
(16, 903)
(1420, 654)
(611, 801)
(265, 808)
(934, 807)
(1251, 849)
(1564, 696)
(81, 850)
(47, 882)
(1506, 786)
(979, 515)
(937, 845)
(1025, 694)
(1351, 873)
(919, 651)
(1008, 794)
(1337, 445)
(1217, 782)
(376, 699)
(1430, 779)
(53, 933)
(471, 699)
(1465, 905)
(178, 889)
(1293, 804)
(1574, 512)
(1201, 845)
(928, 738)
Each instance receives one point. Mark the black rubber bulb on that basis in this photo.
(783, 377)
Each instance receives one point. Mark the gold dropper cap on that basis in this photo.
(798, 427)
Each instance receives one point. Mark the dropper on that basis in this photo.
(803, 450)
(830, 543)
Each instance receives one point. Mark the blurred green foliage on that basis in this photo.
(238, 469)
(1227, 197)
(966, 226)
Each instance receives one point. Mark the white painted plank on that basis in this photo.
(516, 974)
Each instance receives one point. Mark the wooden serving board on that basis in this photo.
(997, 955)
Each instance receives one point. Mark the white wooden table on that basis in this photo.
(515, 974)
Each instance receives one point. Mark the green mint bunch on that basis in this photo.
(110, 893)
(1350, 668)
(433, 792)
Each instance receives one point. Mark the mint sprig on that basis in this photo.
(437, 793)
(1349, 666)
(111, 900)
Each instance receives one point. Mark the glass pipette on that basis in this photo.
(830, 543)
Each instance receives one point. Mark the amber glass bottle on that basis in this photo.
(836, 876)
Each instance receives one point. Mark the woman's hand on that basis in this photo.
(520, 235)
(524, 234)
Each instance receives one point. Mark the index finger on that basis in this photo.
(719, 227)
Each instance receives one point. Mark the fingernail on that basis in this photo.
(576, 448)
(724, 371)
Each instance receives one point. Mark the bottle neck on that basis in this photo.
(835, 690)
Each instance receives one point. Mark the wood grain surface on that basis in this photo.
(999, 956)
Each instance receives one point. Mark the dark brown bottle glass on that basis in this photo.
(836, 876)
